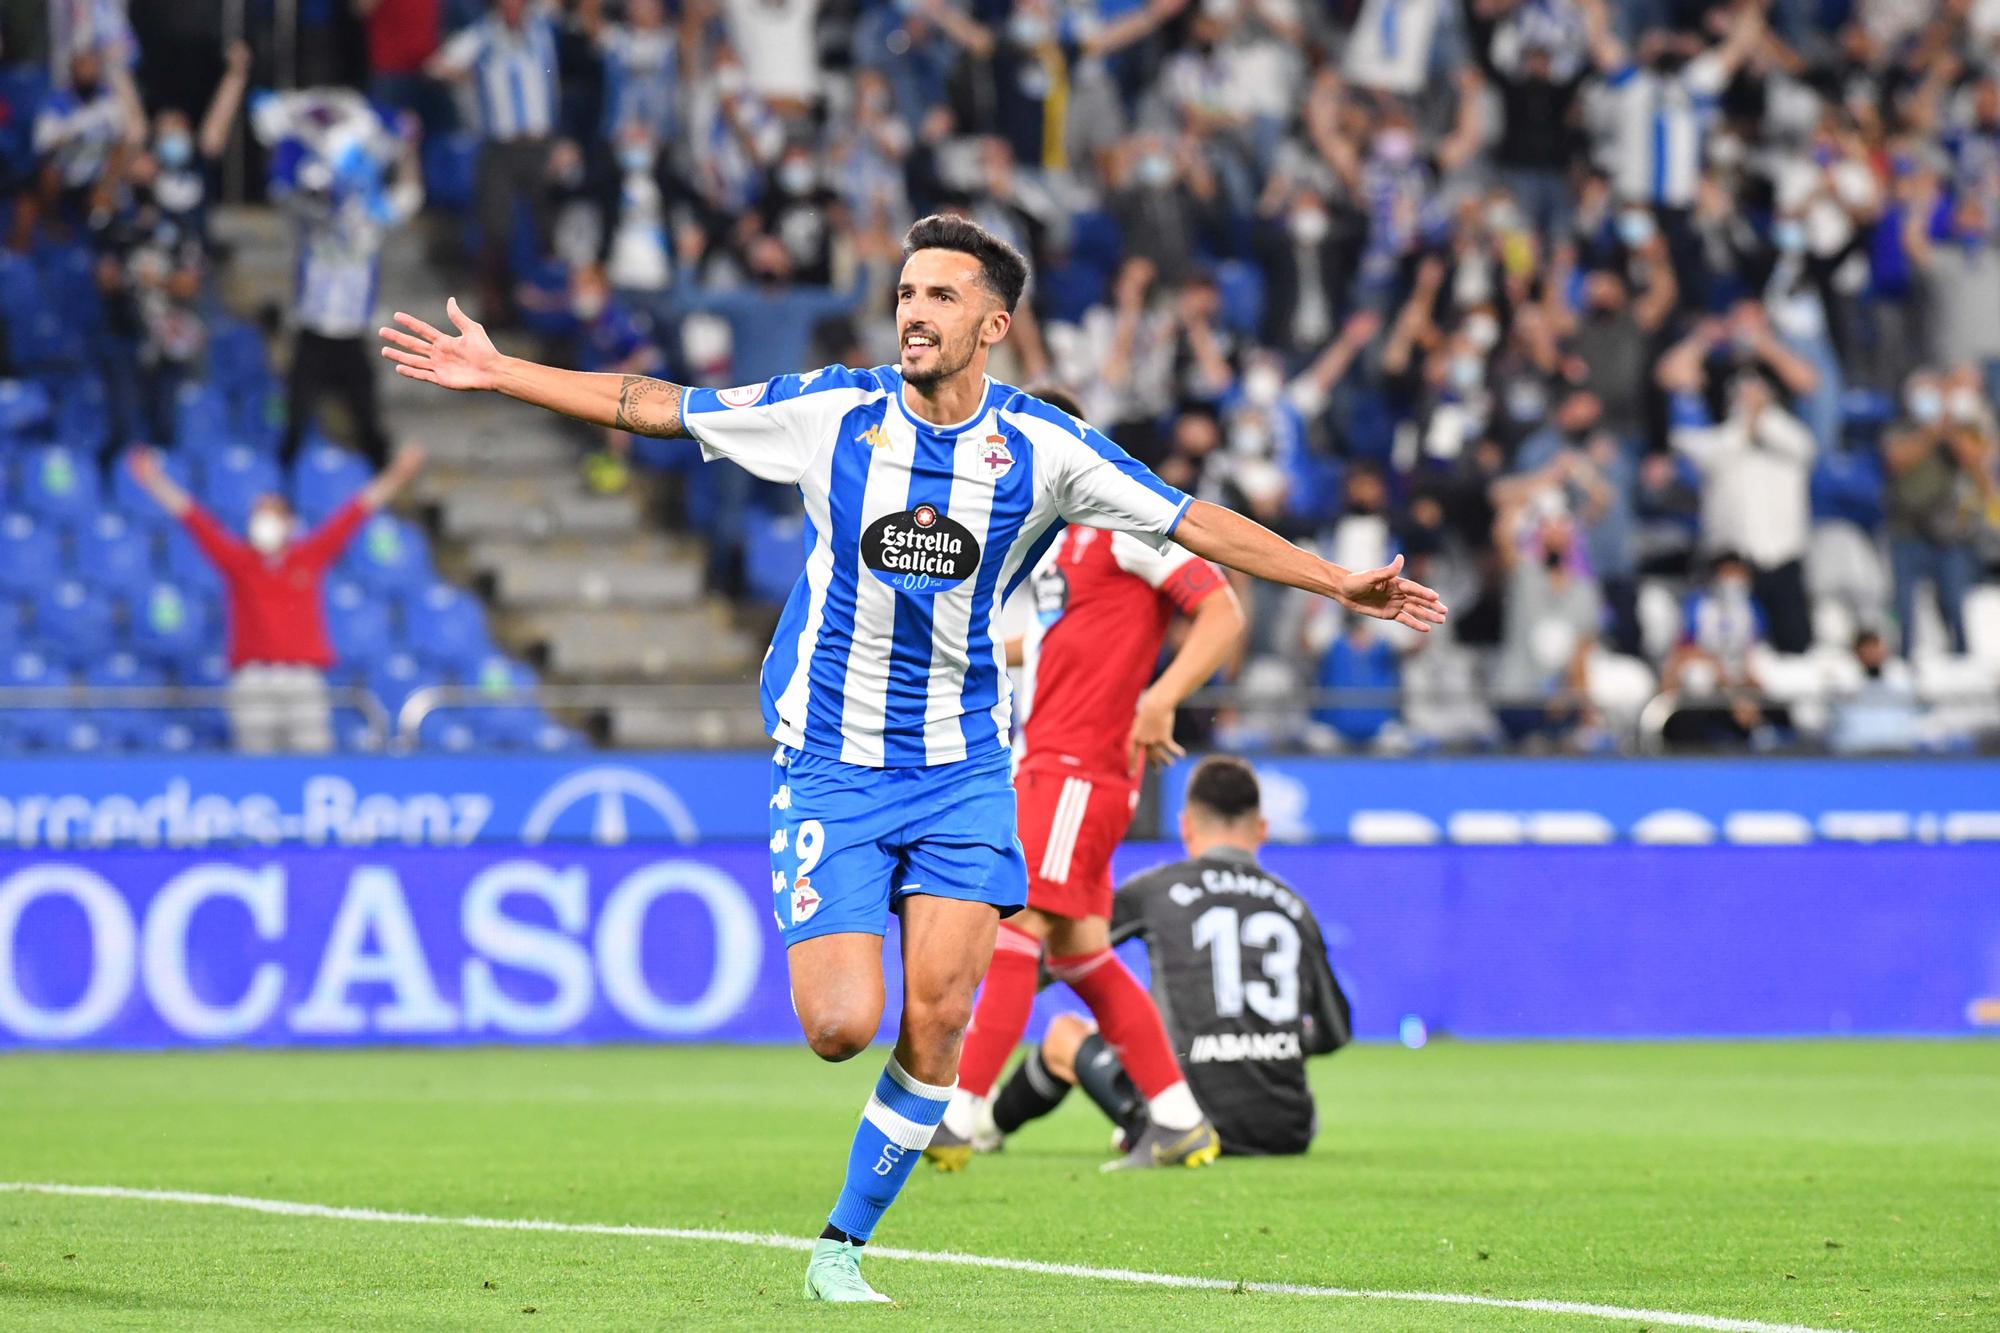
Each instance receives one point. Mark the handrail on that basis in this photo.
(179, 698)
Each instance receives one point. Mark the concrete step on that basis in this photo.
(526, 578)
(518, 507)
(485, 449)
(695, 644)
(642, 727)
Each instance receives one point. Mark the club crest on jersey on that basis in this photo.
(921, 550)
(805, 900)
(741, 396)
(995, 456)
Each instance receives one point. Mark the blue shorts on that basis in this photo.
(849, 843)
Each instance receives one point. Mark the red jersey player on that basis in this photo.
(1103, 603)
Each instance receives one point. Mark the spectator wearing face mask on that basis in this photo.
(178, 178)
(1878, 712)
(1755, 466)
(1710, 670)
(1954, 244)
(1549, 620)
(279, 651)
(1939, 466)
(803, 215)
(1593, 472)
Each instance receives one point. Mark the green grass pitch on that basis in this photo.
(1845, 1185)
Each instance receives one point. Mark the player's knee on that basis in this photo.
(938, 1020)
(837, 1031)
(839, 1037)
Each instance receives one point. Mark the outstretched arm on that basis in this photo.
(144, 465)
(469, 362)
(1233, 540)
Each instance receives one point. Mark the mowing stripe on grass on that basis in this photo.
(287, 1208)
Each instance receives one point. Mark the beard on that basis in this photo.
(949, 361)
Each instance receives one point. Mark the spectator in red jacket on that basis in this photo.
(279, 651)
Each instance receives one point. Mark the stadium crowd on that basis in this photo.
(1663, 337)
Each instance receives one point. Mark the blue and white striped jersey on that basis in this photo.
(513, 74)
(887, 654)
(1659, 124)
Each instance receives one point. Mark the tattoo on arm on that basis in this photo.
(647, 406)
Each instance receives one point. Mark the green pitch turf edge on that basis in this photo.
(1836, 1185)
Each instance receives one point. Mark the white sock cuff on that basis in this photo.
(902, 1079)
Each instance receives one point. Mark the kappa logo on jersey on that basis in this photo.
(777, 842)
(920, 550)
(875, 437)
(805, 900)
(996, 457)
(741, 396)
(782, 798)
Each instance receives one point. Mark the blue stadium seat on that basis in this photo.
(83, 413)
(1241, 289)
(399, 675)
(324, 478)
(44, 341)
(74, 621)
(20, 288)
(69, 282)
(201, 417)
(112, 553)
(773, 555)
(234, 478)
(388, 556)
(24, 407)
(169, 624)
(358, 623)
(127, 728)
(500, 727)
(203, 671)
(446, 627)
(59, 483)
(189, 566)
(33, 728)
(13, 625)
(449, 161)
(30, 556)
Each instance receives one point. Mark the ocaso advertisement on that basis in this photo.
(514, 943)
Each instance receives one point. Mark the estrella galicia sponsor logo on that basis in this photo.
(920, 550)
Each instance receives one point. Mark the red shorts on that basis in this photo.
(1070, 823)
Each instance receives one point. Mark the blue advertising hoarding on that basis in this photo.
(685, 799)
(293, 946)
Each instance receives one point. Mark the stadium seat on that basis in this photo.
(126, 727)
(33, 728)
(449, 160)
(324, 478)
(1241, 289)
(388, 556)
(83, 413)
(502, 726)
(24, 407)
(69, 284)
(13, 625)
(233, 478)
(445, 626)
(398, 676)
(59, 483)
(201, 417)
(112, 553)
(20, 288)
(189, 565)
(45, 341)
(30, 556)
(74, 621)
(357, 622)
(773, 556)
(169, 624)
(1982, 623)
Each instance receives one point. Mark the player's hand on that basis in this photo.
(468, 361)
(1386, 595)
(143, 464)
(1152, 734)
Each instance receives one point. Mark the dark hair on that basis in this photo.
(1060, 400)
(1002, 270)
(1225, 787)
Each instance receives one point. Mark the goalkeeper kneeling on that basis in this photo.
(1241, 976)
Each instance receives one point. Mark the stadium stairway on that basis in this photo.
(587, 587)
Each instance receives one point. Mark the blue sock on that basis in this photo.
(894, 1131)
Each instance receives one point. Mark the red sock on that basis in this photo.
(1125, 1015)
(1000, 1019)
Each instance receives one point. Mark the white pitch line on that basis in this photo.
(288, 1208)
